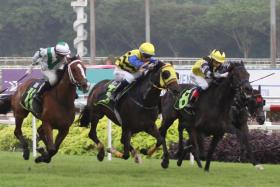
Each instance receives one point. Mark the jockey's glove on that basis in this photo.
(221, 75)
(209, 74)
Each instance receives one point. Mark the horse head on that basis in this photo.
(239, 77)
(163, 76)
(77, 75)
(255, 104)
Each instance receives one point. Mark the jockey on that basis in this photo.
(128, 65)
(203, 72)
(50, 59)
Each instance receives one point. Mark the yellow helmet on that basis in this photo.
(147, 48)
(218, 56)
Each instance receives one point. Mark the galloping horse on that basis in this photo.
(137, 108)
(58, 109)
(212, 110)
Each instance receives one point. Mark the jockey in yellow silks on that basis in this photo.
(203, 72)
(129, 64)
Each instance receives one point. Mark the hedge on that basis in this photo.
(77, 141)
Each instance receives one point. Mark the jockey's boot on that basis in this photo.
(118, 90)
(193, 98)
(38, 96)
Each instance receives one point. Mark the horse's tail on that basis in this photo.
(5, 104)
(85, 117)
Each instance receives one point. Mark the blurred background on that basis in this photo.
(178, 28)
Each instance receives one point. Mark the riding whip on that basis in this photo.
(262, 77)
(25, 74)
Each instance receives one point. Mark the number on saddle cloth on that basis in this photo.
(183, 99)
(27, 98)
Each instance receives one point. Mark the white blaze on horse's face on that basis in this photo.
(77, 74)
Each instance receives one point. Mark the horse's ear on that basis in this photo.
(242, 63)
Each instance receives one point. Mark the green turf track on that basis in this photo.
(83, 171)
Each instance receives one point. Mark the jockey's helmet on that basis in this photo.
(218, 56)
(62, 48)
(147, 49)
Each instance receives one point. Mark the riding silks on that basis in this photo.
(183, 99)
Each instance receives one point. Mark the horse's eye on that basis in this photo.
(165, 75)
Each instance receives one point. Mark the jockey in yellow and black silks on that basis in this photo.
(204, 70)
(128, 65)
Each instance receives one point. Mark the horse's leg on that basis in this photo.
(192, 146)
(20, 137)
(125, 140)
(180, 140)
(153, 131)
(93, 135)
(212, 147)
(243, 134)
(40, 133)
(62, 133)
(46, 134)
(165, 124)
(134, 153)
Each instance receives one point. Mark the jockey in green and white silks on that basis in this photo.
(129, 64)
(50, 59)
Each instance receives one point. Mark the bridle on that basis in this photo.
(70, 73)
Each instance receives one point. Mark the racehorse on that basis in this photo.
(212, 110)
(242, 108)
(137, 108)
(58, 110)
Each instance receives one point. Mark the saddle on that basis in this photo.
(27, 100)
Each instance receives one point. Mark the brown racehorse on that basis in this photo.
(58, 109)
(137, 108)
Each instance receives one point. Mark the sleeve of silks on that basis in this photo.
(35, 58)
(38, 55)
(133, 60)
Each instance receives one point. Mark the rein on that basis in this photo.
(72, 79)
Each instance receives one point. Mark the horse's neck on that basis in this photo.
(148, 94)
(65, 91)
(223, 96)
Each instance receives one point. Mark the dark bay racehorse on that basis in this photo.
(58, 109)
(212, 110)
(244, 106)
(137, 108)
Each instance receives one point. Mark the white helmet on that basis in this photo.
(62, 48)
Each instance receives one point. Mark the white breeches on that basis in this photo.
(50, 76)
(121, 74)
(199, 81)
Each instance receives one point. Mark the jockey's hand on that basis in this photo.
(221, 75)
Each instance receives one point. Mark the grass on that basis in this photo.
(86, 171)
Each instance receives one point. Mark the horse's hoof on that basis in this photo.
(38, 160)
(259, 167)
(40, 150)
(138, 159)
(126, 156)
(144, 151)
(164, 164)
(48, 160)
(179, 163)
(100, 156)
(26, 154)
